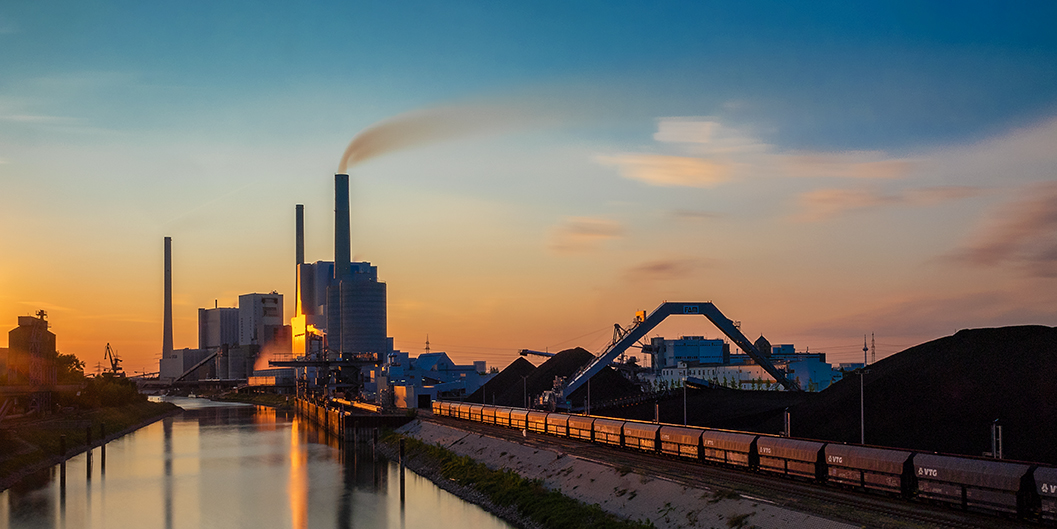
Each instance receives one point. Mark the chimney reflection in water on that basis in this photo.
(167, 484)
(298, 478)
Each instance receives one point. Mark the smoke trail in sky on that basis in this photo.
(423, 127)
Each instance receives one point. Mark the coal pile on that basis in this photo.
(508, 378)
(729, 409)
(942, 396)
(510, 388)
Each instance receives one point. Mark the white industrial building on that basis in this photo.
(218, 327)
(710, 361)
(259, 316)
(415, 382)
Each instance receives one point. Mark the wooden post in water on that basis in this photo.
(102, 449)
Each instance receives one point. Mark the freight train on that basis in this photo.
(1022, 489)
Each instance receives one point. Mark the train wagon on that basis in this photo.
(488, 414)
(502, 416)
(992, 485)
(477, 413)
(608, 431)
(792, 457)
(1046, 488)
(681, 441)
(461, 411)
(870, 468)
(537, 421)
(580, 427)
(642, 436)
(435, 407)
(443, 408)
(519, 418)
(738, 449)
(558, 424)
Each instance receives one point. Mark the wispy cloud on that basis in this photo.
(37, 305)
(713, 153)
(851, 164)
(823, 204)
(666, 269)
(583, 234)
(1021, 232)
(691, 215)
(668, 171)
(708, 136)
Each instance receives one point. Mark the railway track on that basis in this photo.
(845, 505)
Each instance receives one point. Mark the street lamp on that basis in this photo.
(862, 394)
(524, 380)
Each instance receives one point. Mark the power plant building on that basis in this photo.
(218, 327)
(358, 327)
(341, 300)
(178, 361)
(259, 317)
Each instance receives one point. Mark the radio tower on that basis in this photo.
(873, 350)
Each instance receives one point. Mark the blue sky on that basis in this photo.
(851, 164)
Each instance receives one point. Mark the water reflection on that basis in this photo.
(233, 466)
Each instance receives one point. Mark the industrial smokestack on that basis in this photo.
(300, 244)
(342, 240)
(166, 341)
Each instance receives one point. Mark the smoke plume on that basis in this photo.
(434, 125)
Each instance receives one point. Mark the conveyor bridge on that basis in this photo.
(669, 308)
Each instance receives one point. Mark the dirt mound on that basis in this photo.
(510, 389)
(508, 378)
(943, 395)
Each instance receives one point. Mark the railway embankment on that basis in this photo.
(619, 491)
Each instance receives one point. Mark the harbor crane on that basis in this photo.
(115, 361)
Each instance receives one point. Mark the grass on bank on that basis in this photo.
(25, 445)
(281, 402)
(505, 488)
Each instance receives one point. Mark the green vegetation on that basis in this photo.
(24, 446)
(103, 391)
(506, 488)
(281, 402)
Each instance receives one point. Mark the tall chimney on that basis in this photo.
(300, 246)
(342, 240)
(166, 341)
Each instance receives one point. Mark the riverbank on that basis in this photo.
(618, 491)
(272, 400)
(27, 447)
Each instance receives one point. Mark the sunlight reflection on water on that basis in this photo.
(219, 465)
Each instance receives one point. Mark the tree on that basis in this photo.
(68, 369)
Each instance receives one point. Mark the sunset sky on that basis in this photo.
(818, 173)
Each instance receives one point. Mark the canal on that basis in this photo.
(226, 466)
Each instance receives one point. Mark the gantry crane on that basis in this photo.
(627, 337)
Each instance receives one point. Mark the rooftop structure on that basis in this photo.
(31, 352)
